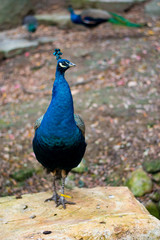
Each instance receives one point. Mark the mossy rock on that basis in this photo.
(155, 196)
(13, 11)
(81, 168)
(113, 179)
(156, 177)
(139, 183)
(23, 174)
(152, 166)
(153, 209)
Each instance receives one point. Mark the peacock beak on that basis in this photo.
(72, 64)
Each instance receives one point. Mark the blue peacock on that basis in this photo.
(31, 24)
(59, 141)
(91, 18)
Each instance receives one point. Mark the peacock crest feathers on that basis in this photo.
(57, 53)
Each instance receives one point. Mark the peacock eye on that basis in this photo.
(62, 64)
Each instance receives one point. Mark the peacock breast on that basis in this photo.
(59, 137)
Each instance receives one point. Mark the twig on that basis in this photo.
(83, 82)
(48, 92)
(34, 92)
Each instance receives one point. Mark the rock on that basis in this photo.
(156, 177)
(23, 174)
(70, 183)
(108, 5)
(153, 209)
(12, 47)
(61, 20)
(152, 166)
(132, 84)
(114, 5)
(155, 196)
(12, 12)
(81, 184)
(99, 213)
(1, 55)
(43, 40)
(153, 8)
(139, 183)
(81, 168)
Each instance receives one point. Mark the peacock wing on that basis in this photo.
(38, 122)
(30, 20)
(95, 13)
(80, 124)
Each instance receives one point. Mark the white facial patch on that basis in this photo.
(62, 65)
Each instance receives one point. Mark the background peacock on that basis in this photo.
(31, 24)
(93, 17)
(59, 141)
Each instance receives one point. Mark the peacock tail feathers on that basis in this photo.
(119, 20)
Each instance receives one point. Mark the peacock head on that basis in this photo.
(70, 9)
(62, 64)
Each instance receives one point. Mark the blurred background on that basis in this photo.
(115, 86)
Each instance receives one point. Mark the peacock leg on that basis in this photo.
(29, 36)
(62, 201)
(55, 196)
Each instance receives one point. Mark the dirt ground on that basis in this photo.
(115, 86)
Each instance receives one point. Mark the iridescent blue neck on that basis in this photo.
(75, 18)
(59, 118)
(59, 73)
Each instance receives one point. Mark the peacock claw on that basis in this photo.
(62, 201)
(54, 198)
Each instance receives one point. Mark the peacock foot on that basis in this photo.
(62, 201)
(54, 198)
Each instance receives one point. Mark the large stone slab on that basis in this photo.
(110, 213)
(12, 47)
(153, 8)
(61, 20)
(12, 12)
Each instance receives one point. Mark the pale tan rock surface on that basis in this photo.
(100, 213)
(62, 20)
(13, 47)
